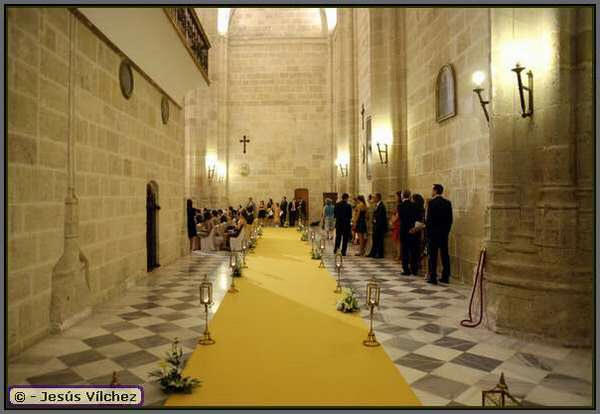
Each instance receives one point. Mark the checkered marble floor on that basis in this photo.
(446, 364)
(131, 334)
(417, 324)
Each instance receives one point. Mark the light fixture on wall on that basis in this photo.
(526, 110)
(383, 139)
(478, 78)
(221, 172)
(211, 166)
(342, 163)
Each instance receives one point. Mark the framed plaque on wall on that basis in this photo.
(445, 91)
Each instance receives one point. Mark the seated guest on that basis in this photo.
(235, 231)
(207, 225)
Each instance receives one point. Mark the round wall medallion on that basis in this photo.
(164, 109)
(126, 79)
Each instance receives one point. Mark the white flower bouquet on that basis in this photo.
(348, 302)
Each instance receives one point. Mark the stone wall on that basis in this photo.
(120, 145)
(278, 96)
(454, 152)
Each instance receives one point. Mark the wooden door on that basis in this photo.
(302, 193)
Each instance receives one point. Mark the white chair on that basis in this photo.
(236, 242)
(207, 244)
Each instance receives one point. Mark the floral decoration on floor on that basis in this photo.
(348, 301)
(169, 375)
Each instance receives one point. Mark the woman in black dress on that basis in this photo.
(191, 225)
(262, 213)
(361, 223)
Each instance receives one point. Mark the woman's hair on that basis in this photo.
(328, 201)
(419, 201)
(361, 198)
(207, 215)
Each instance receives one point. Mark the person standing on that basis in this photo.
(342, 213)
(419, 204)
(438, 225)
(328, 218)
(191, 224)
(380, 228)
(408, 216)
(283, 207)
(361, 224)
(262, 212)
(293, 212)
(370, 214)
(251, 207)
(300, 206)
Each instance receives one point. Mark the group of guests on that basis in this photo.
(226, 224)
(413, 229)
(284, 213)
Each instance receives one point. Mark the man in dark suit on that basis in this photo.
(343, 217)
(409, 242)
(380, 227)
(283, 206)
(438, 225)
(293, 213)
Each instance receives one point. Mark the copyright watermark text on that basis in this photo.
(90, 395)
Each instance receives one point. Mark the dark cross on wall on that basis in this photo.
(244, 141)
(362, 115)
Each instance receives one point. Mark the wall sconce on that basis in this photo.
(525, 110)
(211, 166)
(383, 138)
(342, 163)
(221, 172)
(478, 78)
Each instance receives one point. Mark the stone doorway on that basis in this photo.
(152, 208)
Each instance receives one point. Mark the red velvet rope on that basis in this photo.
(470, 323)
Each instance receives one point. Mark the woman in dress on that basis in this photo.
(262, 213)
(270, 212)
(276, 214)
(191, 225)
(419, 228)
(361, 224)
(370, 210)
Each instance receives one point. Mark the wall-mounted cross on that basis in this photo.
(244, 141)
(362, 115)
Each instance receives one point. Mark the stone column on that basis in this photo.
(71, 297)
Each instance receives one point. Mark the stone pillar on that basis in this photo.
(70, 298)
(536, 283)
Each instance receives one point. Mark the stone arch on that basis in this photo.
(234, 13)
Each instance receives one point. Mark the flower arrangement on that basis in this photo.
(316, 254)
(348, 301)
(304, 236)
(169, 375)
(237, 270)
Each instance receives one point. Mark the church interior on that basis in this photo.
(120, 119)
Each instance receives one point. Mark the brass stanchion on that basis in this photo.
(233, 266)
(206, 299)
(322, 249)
(373, 292)
(339, 263)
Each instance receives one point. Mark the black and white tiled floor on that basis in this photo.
(417, 324)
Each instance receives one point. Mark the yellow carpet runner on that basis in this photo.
(281, 342)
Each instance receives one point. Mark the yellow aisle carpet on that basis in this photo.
(281, 342)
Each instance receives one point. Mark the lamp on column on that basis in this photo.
(478, 78)
(373, 294)
(526, 110)
(383, 139)
(339, 264)
(342, 163)
(211, 166)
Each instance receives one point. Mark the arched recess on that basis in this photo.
(152, 221)
(321, 11)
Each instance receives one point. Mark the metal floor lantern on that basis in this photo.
(322, 249)
(206, 299)
(233, 264)
(339, 264)
(499, 396)
(244, 250)
(373, 295)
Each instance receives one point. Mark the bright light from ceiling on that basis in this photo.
(223, 20)
(331, 15)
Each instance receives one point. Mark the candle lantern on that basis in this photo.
(499, 396)
(339, 264)
(322, 249)
(206, 299)
(373, 293)
(244, 250)
(233, 265)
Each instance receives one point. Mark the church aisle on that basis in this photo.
(281, 342)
